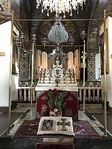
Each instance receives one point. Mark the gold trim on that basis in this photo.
(10, 75)
(105, 87)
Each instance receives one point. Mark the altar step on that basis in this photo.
(22, 107)
(94, 107)
(22, 104)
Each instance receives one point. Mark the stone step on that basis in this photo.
(92, 108)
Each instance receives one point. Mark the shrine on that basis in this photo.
(57, 78)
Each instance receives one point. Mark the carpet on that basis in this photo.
(82, 129)
(51, 146)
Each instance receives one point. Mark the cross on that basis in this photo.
(63, 123)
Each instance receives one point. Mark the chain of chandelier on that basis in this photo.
(60, 6)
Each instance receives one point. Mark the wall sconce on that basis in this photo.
(44, 42)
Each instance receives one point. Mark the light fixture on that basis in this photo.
(71, 40)
(44, 41)
(83, 35)
(58, 33)
(60, 6)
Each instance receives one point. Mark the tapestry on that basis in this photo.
(69, 108)
(28, 129)
(82, 129)
(55, 125)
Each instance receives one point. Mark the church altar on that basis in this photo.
(52, 85)
(57, 78)
(60, 80)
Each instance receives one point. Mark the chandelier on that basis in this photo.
(58, 33)
(60, 6)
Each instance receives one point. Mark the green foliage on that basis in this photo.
(55, 99)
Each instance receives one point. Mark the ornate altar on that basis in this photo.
(60, 79)
(69, 106)
(57, 78)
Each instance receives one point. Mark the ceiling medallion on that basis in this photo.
(60, 6)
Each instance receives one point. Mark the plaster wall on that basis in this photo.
(109, 75)
(5, 34)
(97, 67)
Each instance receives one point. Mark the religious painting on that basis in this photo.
(102, 54)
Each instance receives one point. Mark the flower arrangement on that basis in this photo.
(55, 101)
(55, 112)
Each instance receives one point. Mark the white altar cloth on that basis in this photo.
(54, 125)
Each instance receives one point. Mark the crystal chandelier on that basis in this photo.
(58, 33)
(60, 6)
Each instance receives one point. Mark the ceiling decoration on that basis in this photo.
(73, 25)
(60, 6)
(70, 28)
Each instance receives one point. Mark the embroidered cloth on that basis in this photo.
(55, 125)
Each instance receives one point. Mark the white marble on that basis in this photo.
(46, 88)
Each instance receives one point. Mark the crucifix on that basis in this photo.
(64, 124)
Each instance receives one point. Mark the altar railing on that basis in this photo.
(92, 94)
(24, 94)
